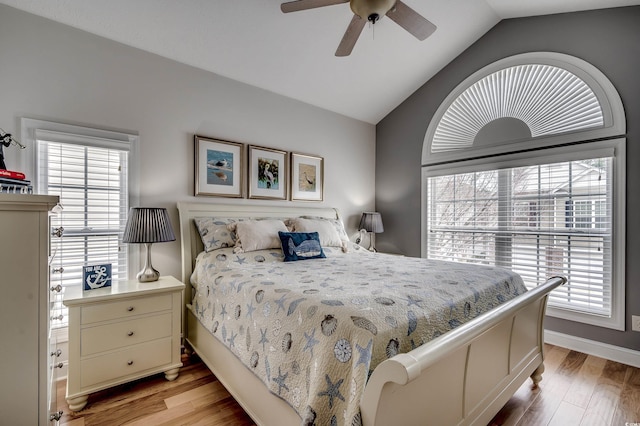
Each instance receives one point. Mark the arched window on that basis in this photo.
(523, 167)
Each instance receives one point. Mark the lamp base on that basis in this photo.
(372, 242)
(148, 273)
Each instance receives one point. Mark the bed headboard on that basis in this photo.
(191, 244)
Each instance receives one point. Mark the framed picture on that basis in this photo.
(307, 177)
(219, 167)
(268, 172)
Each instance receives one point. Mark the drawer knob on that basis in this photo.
(130, 333)
(57, 288)
(130, 362)
(59, 365)
(58, 270)
(57, 232)
(130, 309)
(59, 318)
(57, 353)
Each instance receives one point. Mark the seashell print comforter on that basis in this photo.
(314, 330)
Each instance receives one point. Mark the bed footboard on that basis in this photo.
(472, 370)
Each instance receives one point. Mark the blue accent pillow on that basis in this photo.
(300, 246)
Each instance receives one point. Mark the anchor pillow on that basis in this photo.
(300, 246)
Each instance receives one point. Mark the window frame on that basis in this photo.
(34, 129)
(611, 147)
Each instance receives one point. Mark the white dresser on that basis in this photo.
(122, 333)
(26, 368)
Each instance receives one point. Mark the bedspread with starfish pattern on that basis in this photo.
(314, 330)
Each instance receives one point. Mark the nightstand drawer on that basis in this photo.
(124, 333)
(124, 308)
(111, 366)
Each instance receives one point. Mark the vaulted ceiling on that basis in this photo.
(292, 54)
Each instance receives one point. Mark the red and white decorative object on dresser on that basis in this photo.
(122, 333)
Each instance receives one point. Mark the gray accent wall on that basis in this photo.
(50, 71)
(610, 40)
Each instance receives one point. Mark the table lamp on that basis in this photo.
(372, 222)
(148, 225)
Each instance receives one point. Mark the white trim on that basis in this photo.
(597, 149)
(592, 347)
(119, 141)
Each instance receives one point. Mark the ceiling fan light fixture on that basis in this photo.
(371, 10)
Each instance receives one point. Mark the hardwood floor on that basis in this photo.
(576, 389)
(196, 397)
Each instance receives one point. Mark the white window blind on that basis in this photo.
(542, 220)
(549, 99)
(90, 175)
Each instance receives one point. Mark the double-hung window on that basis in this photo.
(540, 219)
(91, 175)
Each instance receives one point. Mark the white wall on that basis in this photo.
(53, 72)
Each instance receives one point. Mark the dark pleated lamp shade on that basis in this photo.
(148, 225)
(371, 222)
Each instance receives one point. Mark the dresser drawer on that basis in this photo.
(124, 333)
(124, 308)
(132, 360)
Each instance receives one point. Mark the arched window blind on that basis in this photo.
(547, 99)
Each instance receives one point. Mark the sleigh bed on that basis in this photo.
(393, 355)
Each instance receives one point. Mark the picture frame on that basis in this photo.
(96, 276)
(219, 167)
(307, 177)
(268, 173)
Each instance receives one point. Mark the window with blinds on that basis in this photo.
(540, 221)
(524, 166)
(90, 175)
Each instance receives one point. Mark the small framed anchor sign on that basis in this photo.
(96, 276)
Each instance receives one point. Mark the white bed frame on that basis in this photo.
(463, 377)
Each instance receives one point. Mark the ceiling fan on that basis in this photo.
(369, 11)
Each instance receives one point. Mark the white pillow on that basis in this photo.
(327, 229)
(255, 235)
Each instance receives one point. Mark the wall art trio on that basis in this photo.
(221, 170)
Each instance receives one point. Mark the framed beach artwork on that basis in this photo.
(219, 167)
(307, 177)
(268, 172)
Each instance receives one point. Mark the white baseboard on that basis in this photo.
(591, 347)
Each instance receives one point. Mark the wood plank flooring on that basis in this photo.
(576, 390)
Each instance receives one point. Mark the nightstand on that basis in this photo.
(122, 333)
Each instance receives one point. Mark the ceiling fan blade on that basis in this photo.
(411, 21)
(351, 36)
(295, 6)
